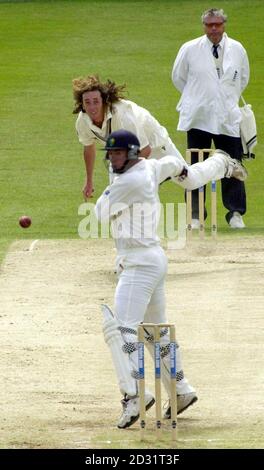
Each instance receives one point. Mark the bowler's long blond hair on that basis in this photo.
(110, 92)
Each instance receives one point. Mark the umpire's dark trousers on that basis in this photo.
(233, 190)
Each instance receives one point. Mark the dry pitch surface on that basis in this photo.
(58, 389)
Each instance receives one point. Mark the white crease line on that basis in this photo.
(33, 244)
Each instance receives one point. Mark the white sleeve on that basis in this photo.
(85, 135)
(117, 197)
(244, 72)
(131, 122)
(169, 166)
(180, 69)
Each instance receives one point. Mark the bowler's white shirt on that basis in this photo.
(124, 115)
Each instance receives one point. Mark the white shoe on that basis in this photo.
(236, 221)
(130, 412)
(183, 402)
(235, 169)
(195, 224)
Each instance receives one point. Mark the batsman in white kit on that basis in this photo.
(131, 204)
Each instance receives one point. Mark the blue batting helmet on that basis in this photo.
(126, 140)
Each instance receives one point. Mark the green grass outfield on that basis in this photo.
(45, 44)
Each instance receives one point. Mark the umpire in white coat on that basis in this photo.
(211, 72)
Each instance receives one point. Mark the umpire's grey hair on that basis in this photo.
(214, 12)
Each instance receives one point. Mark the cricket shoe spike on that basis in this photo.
(130, 413)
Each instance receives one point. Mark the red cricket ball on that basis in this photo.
(25, 221)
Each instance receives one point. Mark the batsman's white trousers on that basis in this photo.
(140, 294)
(142, 274)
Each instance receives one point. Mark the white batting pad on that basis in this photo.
(113, 339)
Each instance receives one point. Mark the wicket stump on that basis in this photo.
(157, 370)
(201, 153)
